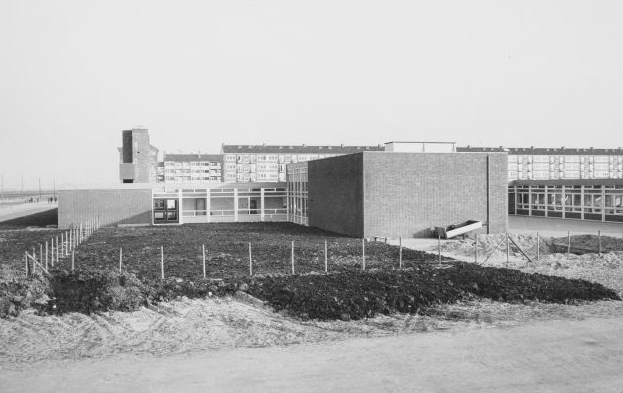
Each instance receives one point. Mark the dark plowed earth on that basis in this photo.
(358, 294)
(347, 292)
(227, 250)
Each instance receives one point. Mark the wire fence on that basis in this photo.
(59, 248)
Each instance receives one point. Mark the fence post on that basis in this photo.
(72, 260)
(439, 248)
(400, 252)
(599, 240)
(203, 249)
(568, 243)
(508, 248)
(250, 262)
(27, 267)
(46, 255)
(120, 258)
(162, 262)
(326, 265)
(538, 246)
(292, 256)
(66, 243)
(363, 254)
(476, 250)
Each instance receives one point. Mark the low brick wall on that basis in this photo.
(113, 206)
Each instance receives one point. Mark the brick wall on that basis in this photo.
(336, 194)
(407, 194)
(132, 206)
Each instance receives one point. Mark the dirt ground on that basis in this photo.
(548, 356)
(225, 344)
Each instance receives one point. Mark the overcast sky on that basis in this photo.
(74, 74)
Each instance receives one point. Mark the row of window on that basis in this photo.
(255, 177)
(565, 159)
(193, 179)
(565, 167)
(246, 168)
(186, 171)
(280, 158)
(543, 175)
(187, 164)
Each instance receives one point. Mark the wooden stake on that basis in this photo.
(363, 254)
(508, 248)
(27, 266)
(203, 249)
(72, 260)
(599, 241)
(71, 232)
(538, 246)
(476, 250)
(66, 244)
(400, 252)
(250, 261)
(41, 253)
(46, 255)
(162, 262)
(439, 248)
(292, 257)
(326, 264)
(120, 258)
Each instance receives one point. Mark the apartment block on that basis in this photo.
(193, 168)
(559, 163)
(267, 163)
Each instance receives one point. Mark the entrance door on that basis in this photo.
(166, 211)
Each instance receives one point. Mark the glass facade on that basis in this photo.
(203, 205)
(599, 202)
(297, 186)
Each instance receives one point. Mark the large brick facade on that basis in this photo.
(335, 194)
(122, 206)
(407, 194)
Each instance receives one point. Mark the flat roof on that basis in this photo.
(568, 182)
(560, 151)
(297, 149)
(193, 157)
(174, 185)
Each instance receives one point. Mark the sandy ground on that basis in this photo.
(552, 356)
(188, 326)
(9, 212)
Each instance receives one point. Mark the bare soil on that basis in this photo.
(195, 325)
